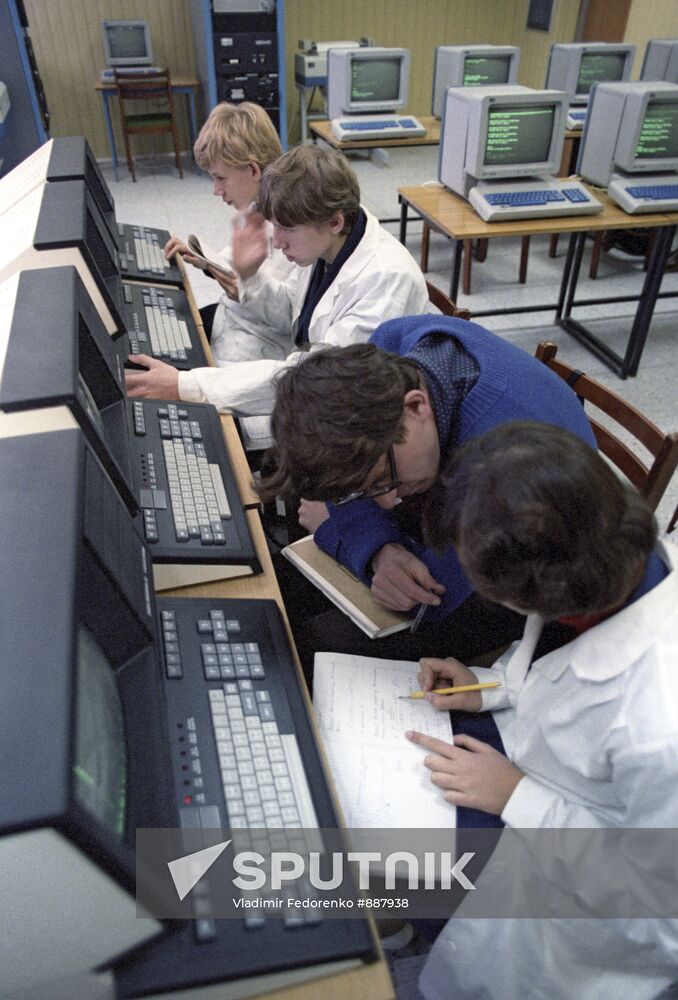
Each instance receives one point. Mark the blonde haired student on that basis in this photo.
(234, 146)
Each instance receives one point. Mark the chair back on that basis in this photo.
(650, 479)
(445, 303)
(149, 86)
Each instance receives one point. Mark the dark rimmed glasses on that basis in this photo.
(370, 492)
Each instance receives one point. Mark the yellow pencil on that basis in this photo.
(457, 690)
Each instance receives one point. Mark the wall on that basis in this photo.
(67, 42)
(650, 19)
(421, 27)
(66, 37)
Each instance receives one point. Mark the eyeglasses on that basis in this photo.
(375, 491)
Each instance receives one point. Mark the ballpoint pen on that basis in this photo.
(454, 690)
(418, 617)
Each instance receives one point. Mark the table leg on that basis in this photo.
(192, 125)
(105, 98)
(648, 298)
(403, 220)
(456, 269)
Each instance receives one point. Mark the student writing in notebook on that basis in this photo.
(365, 431)
(590, 730)
(348, 275)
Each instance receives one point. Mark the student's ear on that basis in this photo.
(255, 171)
(416, 405)
(336, 223)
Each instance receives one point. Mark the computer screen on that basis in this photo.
(84, 764)
(500, 133)
(661, 60)
(127, 43)
(631, 127)
(366, 80)
(576, 67)
(472, 66)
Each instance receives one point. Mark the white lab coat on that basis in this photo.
(239, 333)
(594, 726)
(379, 281)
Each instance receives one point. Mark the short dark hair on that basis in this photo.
(540, 521)
(336, 413)
(307, 185)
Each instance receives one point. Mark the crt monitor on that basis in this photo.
(127, 43)
(472, 66)
(82, 735)
(631, 128)
(661, 60)
(366, 81)
(577, 66)
(500, 133)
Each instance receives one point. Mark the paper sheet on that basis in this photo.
(379, 775)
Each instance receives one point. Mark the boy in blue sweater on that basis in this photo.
(362, 433)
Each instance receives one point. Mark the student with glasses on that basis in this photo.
(361, 435)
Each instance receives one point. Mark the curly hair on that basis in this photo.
(308, 185)
(540, 521)
(336, 413)
(238, 134)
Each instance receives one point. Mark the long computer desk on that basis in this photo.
(449, 214)
(371, 980)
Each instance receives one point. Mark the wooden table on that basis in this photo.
(186, 85)
(451, 215)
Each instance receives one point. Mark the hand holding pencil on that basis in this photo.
(437, 678)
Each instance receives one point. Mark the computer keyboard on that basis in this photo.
(381, 127)
(576, 117)
(158, 322)
(502, 202)
(141, 254)
(646, 193)
(243, 756)
(108, 75)
(189, 501)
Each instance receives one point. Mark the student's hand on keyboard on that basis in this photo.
(229, 283)
(469, 772)
(401, 580)
(312, 513)
(160, 381)
(250, 243)
(436, 673)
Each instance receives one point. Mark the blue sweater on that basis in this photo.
(511, 385)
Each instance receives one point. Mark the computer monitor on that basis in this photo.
(577, 66)
(500, 133)
(366, 80)
(472, 66)
(661, 60)
(83, 737)
(127, 43)
(61, 224)
(630, 128)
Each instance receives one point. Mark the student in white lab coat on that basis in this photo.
(350, 274)
(234, 146)
(542, 524)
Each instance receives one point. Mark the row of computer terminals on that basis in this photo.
(145, 711)
(501, 143)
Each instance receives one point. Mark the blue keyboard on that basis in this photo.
(651, 194)
(503, 201)
(384, 127)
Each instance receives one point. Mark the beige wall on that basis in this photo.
(66, 37)
(421, 27)
(650, 19)
(67, 42)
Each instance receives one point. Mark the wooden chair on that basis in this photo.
(650, 480)
(480, 253)
(154, 92)
(445, 303)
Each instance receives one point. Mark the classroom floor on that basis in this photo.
(160, 198)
